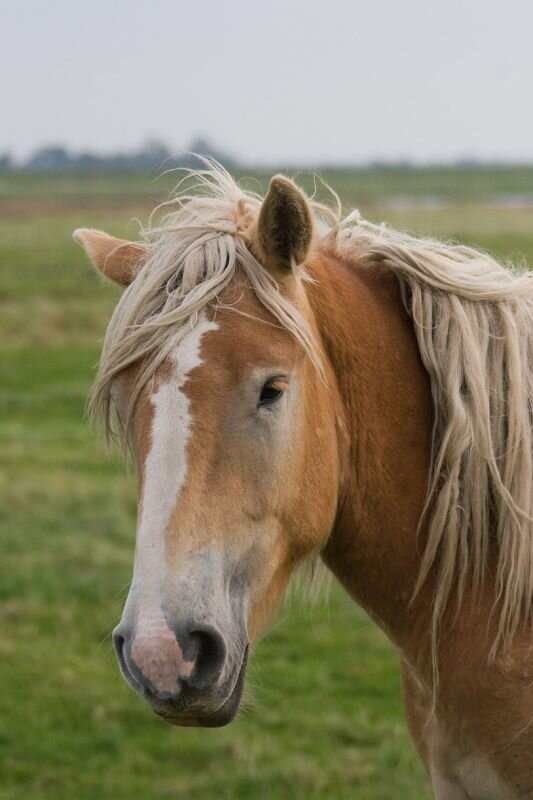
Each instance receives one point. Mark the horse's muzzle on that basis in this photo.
(186, 712)
(182, 673)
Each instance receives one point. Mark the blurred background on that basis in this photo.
(420, 114)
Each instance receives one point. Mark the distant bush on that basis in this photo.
(5, 162)
(152, 155)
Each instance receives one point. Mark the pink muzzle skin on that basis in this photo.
(158, 656)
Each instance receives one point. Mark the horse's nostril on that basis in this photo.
(118, 641)
(210, 655)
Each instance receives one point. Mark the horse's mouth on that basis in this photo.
(223, 715)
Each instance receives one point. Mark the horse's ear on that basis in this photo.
(285, 226)
(117, 259)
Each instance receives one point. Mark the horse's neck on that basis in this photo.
(374, 549)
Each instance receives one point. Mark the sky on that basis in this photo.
(275, 82)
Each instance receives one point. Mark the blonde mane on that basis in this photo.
(194, 253)
(473, 322)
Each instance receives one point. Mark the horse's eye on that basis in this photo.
(272, 391)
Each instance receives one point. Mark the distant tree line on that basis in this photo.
(156, 155)
(151, 155)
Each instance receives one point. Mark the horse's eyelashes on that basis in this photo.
(269, 394)
(272, 391)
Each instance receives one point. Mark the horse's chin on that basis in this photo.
(223, 715)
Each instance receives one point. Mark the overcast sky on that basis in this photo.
(296, 81)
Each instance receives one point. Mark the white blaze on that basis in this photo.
(165, 472)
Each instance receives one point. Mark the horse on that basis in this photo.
(298, 387)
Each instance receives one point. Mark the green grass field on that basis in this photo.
(323, 714)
